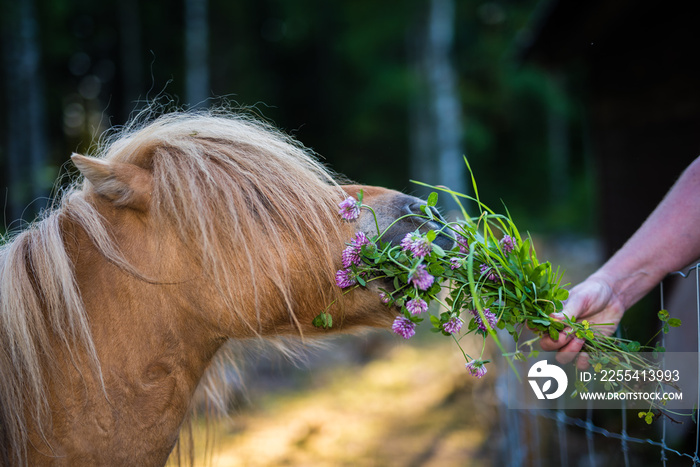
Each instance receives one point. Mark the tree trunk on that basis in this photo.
(25, 112)
(436, 118)
(196, 53)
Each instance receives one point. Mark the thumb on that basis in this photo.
(574, 306)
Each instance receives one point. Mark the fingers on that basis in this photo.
(573, 307)
(569, 351)
(567, 345)
(550, 345)
(582, 361)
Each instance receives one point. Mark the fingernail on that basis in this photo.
(557, 315)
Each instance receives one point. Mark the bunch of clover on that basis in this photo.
(491, 279)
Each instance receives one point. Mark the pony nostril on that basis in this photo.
(436, 214)
(415, 208)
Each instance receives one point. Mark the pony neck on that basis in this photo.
(152, 352)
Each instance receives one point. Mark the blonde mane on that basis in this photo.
(237, 192)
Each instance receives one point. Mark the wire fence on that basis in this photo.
(591, 438)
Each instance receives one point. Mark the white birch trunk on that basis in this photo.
(436, 116)
(196, 53)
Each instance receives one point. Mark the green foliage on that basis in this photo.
(647, 416)
(323, 320)
(667, 321)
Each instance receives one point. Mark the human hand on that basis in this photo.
(593, 300)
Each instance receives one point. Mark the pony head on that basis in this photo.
(242, 215)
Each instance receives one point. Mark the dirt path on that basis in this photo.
(417, 406)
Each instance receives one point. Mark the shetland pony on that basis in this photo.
(185, 232)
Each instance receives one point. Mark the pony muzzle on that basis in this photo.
(431, 220)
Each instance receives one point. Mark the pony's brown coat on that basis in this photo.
(188, 231)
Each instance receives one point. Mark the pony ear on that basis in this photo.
(125, 185)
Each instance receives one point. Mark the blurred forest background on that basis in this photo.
(383, 91)
(577, 115)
